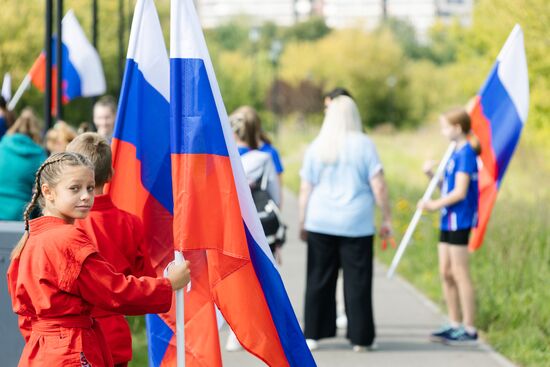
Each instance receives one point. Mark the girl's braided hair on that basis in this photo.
(50, 172)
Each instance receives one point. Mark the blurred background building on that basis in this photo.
(337, 13)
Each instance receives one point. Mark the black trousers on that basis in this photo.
(325, 255)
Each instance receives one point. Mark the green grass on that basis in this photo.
(511, 271)
(139, 342)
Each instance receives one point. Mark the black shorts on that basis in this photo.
(459, 237)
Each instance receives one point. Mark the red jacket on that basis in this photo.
(56, 282)
(120, 240)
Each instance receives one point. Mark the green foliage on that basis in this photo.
(230, 36)
(23, 40)
(405, 34)
(371, 65)
(310, 30)
(139, 341)
(444, 42)
(17, 54)
(440, 47)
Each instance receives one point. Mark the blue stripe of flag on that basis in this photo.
(197, 129)
(143, 120)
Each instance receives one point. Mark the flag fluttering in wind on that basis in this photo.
(81, 68)
(215, 221)
(142, 184)
(498, 115)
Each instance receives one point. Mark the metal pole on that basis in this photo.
(95, 21)
(59, 61)
(180, 321)
(121, 23)
(48, 50)
(418, 213)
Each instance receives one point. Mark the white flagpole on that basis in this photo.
(175, 6)
(22, 88)
(418, 213)
(6, 87)
(180, 326)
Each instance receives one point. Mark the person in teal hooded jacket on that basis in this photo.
(20, 156)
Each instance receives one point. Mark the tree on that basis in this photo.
(371, 65)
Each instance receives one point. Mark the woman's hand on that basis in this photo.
(303, 233)
(385, 229)
(179, 275)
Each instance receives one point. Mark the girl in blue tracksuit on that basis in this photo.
(458, 205)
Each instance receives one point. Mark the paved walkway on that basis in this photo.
(403, 316)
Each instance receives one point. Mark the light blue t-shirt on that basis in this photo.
(342, 201)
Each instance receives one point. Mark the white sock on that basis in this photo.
(454, 324)
(470, 329)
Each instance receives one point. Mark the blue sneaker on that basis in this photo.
(442, 334)
(461, 337)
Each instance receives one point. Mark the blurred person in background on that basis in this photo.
(336, 92)
(84, 127)
(264, 142)
(6, 117)
(104, 117)
(59, 136)
(342, 179)
(258, 166)
(21, 153)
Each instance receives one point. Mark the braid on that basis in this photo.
(75, 159)
(36, 193)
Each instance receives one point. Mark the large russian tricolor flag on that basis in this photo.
(82, 71)
(215, 220)
(498, 116)
(142, 183)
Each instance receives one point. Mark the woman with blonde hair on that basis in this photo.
(342, 179)
(21, 154)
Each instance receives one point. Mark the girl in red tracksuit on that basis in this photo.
(56, 276)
